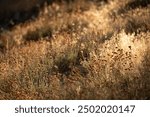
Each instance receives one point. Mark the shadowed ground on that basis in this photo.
(18, 10)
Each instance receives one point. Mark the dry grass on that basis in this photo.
(78, 50)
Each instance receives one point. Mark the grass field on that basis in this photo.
(82, 49)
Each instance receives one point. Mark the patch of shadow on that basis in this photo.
(137, 3)
(136, 27)
(133, 4)
(70, 64)
(11, 19)
(64, 66)
(38, 34)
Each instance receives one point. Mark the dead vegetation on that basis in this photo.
(79, 50)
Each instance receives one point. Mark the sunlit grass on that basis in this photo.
(79, 50)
